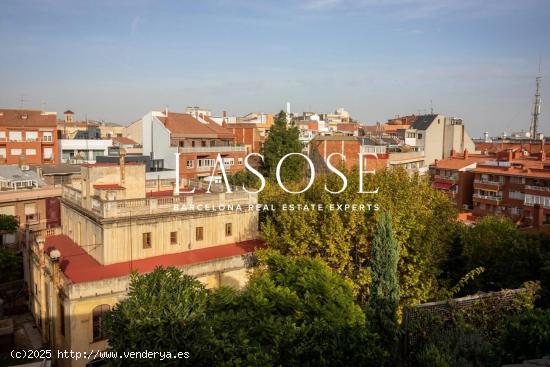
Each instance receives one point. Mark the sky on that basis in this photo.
(116, 60)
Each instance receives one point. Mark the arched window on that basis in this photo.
(98, 316)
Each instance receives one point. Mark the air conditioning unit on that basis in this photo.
(25, 167)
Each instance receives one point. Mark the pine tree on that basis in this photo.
(384, 297)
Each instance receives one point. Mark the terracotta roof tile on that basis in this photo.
(80, 267)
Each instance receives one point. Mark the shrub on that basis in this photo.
(525, 336)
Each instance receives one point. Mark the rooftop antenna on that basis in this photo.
(533, 128)
(431, 108)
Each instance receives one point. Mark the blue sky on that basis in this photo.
(116, 60)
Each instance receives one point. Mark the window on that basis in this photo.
(48, 153)
(199, 233)
(2, 135)
(193, 143)
(47, 136)
(173, 238)
(228, 161)
(30, 151)
(31, 135)
(16, 136)
(516, 195)
(240, 161)
(98, 322)
(228, 229)
(16, 152)
(31, 216)
(203, 143)
(189, 163)
(3, 152)
(147, 240)
(419, 136)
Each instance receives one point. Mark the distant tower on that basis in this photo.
(534, 128)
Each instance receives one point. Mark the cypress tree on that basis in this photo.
(384, 291)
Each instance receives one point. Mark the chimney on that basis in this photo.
(466, 154)
(23, 162)
(224, 120)
(453, 152)
(510, 155)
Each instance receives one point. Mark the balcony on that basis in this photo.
(214, 149)
(447, 179)
(161, 204)
(488, 199)
(486, 184)
(537, 190)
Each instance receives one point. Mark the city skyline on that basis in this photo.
(376, 59)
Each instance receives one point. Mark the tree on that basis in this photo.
(509, 255)
(423, 221)
(164, 312)
(8, 223)
(384, 295)
(282, 140)
(295, 311)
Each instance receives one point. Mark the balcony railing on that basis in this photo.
(538, 188)
(489, 182)
(488, 197)
(161, 204)
(214, 149)
(441, 177)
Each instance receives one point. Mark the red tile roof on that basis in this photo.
(27, 118)
(108, 187)
(185, 125)
(347, 127)
(80, 267)
(124, 140)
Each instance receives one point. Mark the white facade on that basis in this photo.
(83, 150)
(156, 138)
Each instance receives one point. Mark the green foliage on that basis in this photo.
(509, 255)
(164, 311)
(246, 178)
(525, 336)
(11, 265)
(423, 222)
(431, 356)
(457, 346)
(8, 223)
(384, 295)
(293, 312)
(282, 140)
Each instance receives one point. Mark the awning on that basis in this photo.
(441, 185)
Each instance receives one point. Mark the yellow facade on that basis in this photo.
(110, 226)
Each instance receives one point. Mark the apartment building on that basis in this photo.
(197, 139)
(321, 147)
(28, 133)
(25, 195)
(112, 224)
(515, 185)
(455, 177)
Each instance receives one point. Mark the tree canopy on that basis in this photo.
(423, 221)
(282, 140)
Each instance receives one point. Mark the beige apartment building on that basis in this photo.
(113, 222)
